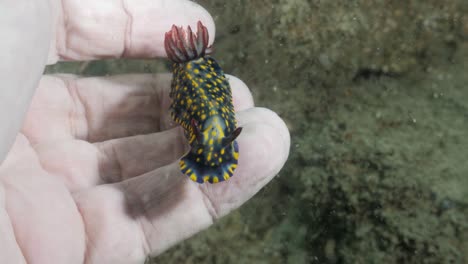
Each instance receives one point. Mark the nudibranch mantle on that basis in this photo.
(202, 105)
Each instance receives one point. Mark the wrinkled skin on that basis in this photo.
(92, 174)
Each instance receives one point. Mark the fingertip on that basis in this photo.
(115, 29)
(264, 145)
(241, 96)
(263, 150)
(195, 13)
(265, 115)
(187, 13)
(149, 41)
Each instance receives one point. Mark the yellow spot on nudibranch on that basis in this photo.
(193, 177)
(206, 178)
(196, 71)
(226, 176)
(236, 155)
(215, 179)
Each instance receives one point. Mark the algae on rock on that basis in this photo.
(372, 92)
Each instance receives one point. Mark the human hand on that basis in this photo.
(92, 176)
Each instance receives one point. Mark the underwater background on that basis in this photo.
(375, 94)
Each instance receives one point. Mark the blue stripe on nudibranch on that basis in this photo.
(202, 105)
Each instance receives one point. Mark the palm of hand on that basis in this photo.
(94, 170)
(93, 174)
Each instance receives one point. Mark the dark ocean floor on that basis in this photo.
(375, 94)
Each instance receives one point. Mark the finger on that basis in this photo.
(129, 157)
(83, 165)
(10, 251)
(39, 206)
(163, 207)
(80, 165)
(263, 150)
(103, 108)
(124, 158)
(91, 29)
(120, 159)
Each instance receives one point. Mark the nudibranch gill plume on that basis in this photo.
(202, 105)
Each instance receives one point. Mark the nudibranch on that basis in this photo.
(202, 105)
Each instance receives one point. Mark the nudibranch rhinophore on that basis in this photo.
(202, 105)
